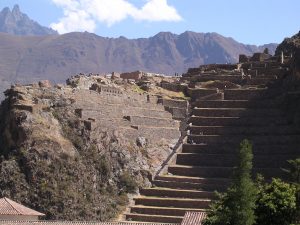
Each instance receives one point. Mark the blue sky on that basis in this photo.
(249, 22)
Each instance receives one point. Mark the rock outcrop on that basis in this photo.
(75, 152)
(290, 47)
(17, 23)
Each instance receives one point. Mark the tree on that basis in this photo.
(294, 175)
(276, 203)
(237, 205)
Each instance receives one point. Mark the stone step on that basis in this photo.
(235, 112)
(237, 121)
(227, 149)
(196, 93)
(176, 193)
(173, 202)
(152, 121)
(235, 104)
(259, 80)
(168, 211)
(185, 185)
(211, 77)
(196, 180)
(245, 94)
(237, 79)
(220, 172)
(231, 160)
(243, 130)
(153, 218)
(234, 140)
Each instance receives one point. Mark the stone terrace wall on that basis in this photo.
(134, 114)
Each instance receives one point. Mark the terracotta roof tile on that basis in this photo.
(9, 207)
(193, 218)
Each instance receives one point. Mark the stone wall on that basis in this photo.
(105, 89)
(133, 114)
(260, 57)
(175, 103)
(174, 87)
(136, 75)
(195, 93)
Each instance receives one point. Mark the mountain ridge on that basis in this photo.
(28, 57)
(55, 57)
(17, 23)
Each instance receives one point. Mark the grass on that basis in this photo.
(137, 89)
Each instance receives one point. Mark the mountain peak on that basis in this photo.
(16, 9)
(5, 10)
(17, 23)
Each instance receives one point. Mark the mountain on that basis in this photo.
(29, 53)
(17, 23)
(56, 57)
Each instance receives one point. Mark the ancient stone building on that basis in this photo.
(136, 75)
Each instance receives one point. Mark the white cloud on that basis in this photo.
(74, 21)
(83, 15)
(157, 10)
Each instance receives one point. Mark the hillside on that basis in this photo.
(72, 151)
(56, 57)
(291, 47)
(79, 151)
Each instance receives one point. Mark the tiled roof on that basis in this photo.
(193, 218)
(76, 223)
(9, 207)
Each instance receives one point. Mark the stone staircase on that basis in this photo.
(205, 160)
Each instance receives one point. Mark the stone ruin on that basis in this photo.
(229, 102)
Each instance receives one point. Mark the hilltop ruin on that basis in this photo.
(87, 145)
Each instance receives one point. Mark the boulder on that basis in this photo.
(45, 84)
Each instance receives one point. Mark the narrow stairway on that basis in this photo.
(204, 163)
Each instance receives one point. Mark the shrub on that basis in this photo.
(128, 183)
(276, 203)
(294, 175)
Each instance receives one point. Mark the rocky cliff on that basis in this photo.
(291, 47)
(17, 23)
(75, 152)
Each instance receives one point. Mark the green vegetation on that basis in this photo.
(137, 89)
(128, 184)
(294, 174)
(237, 205)
(262, 203)
(276, 203)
